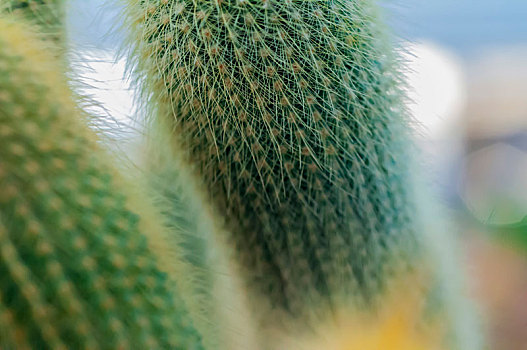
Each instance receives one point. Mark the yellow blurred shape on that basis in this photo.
(396, 331)
(399, 324)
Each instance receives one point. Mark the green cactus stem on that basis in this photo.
(82, 257)
(291, 113)
(217, 299)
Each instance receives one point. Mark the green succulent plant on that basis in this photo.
(290, 111)
(83, 259)
(216, 298)
(277, 149)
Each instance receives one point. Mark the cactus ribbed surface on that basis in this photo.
(77, 266)
(291, 113)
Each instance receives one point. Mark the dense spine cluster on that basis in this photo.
(77, 267)
(290, 112)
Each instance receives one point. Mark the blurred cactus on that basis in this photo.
(79, 267)
(396, 326)
(216, 299)
(47, 14)
(291, 113)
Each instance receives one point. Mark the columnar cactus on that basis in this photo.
(291, 113)
(83, 262)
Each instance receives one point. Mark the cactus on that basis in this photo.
(47, 14)
(217, 300)
(79, 267)
(291, 113)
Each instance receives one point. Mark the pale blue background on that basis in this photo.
(462, 25)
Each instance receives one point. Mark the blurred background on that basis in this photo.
(468, 72)
(467, 75)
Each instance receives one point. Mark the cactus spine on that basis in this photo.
(290, 111)
(79, 268)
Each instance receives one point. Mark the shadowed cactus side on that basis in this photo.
(79, 267)
(290, 111)
(216, 298)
